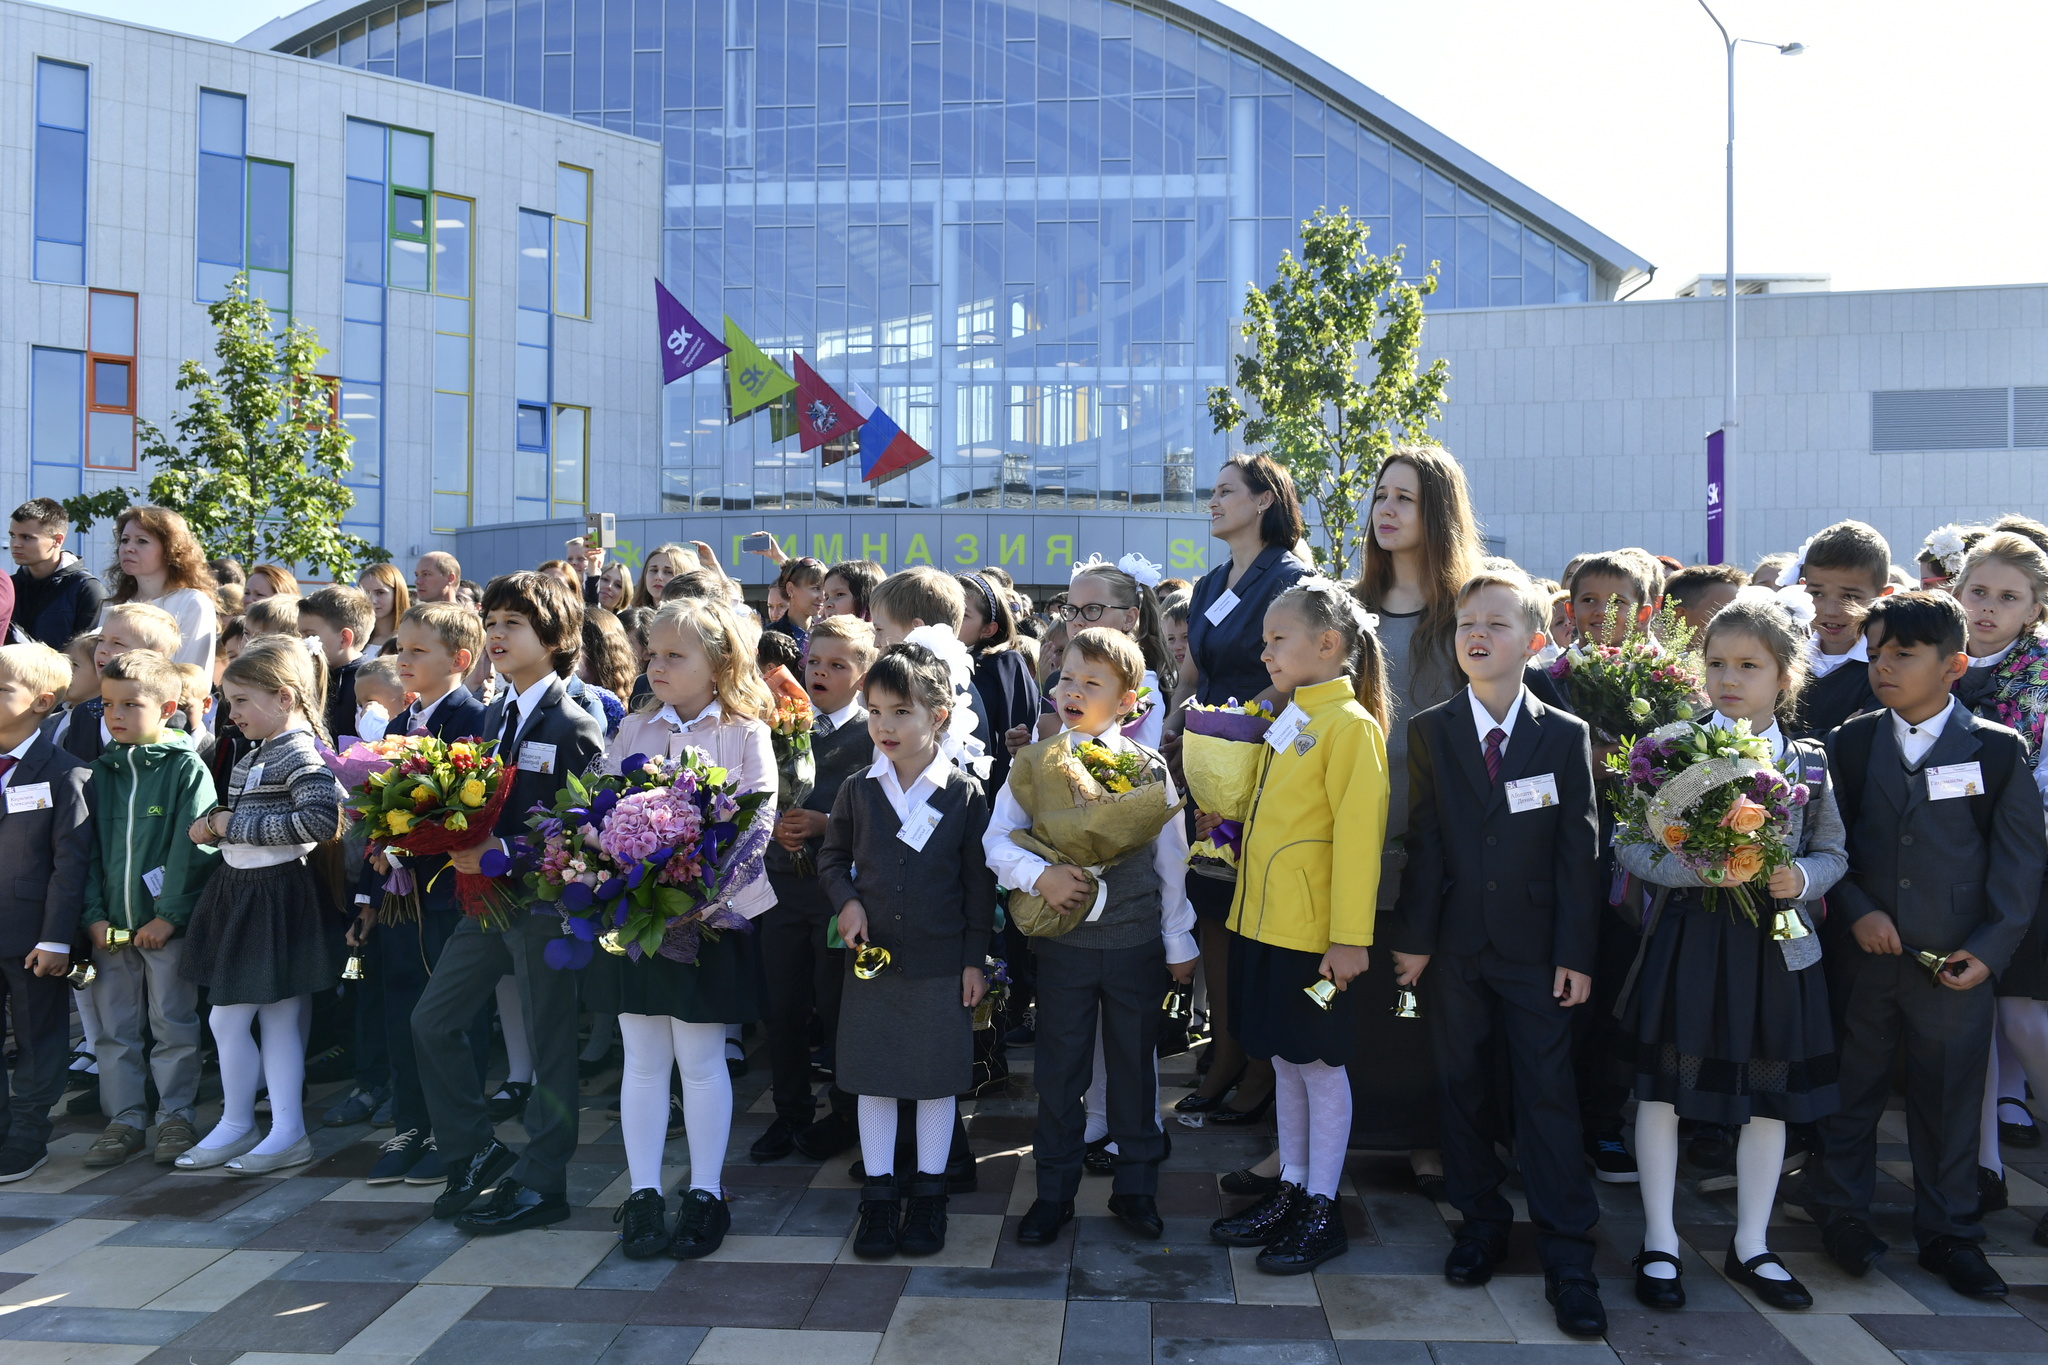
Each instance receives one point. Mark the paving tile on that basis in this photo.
(939, 1282)
(221, 1283)
(1971, 1358)
(1831, 1339)
(711, 1294)
(762, 1210)
(1498, 1353)
(860, 1298)
(779, 1346)
(653, 1345)
(617, 1271)
(1189, 1194)
(417, 1320)
(362, 1192)
(351, 1162)
(132, 1175)
(365, 1267)
(1529, 1315)
(1932, 1290)
(1940, 1333)
(556, 1305)
(1642, 1337)
(780, 1250)
(25, 1204)
(62, 1172)
(224, 1234)
(1159, 1271)
(1011, 1254)
(2021, 1270)
(793, 1171)
(188, 1198)
(333, 1225)
(184, 1355)
(521, 1343)
(1836, 1291)
(995, 1179)
(60, 1244)
(126, 1326)
(75, 1353)
(1225, 1321)
(1255, 1286)
(114, 1277)
(282, 1199)
(822, 1213)
(1206, 1351)
(546, 1257)
(1383, 1353)
(1020, 1331)
(294, 1316)
(14, 1230)
(1105, 1333)
(970, 1241)
(1408, 1308)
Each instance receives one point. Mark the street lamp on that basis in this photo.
(1717, 441)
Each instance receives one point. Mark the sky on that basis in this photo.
(1883, 156)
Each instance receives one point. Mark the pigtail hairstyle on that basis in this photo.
(729, 645)
(1771, 620)
(1325, 604)
(277, 664)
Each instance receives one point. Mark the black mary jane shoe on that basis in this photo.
(1248, 1181)
(643, 1221)
(1262, 1223)
(2026, 1134)
(1199, 1103)
(1314, 1235)
(509, 1103)
(1238, 1118)
(1652, 1292)
(1991, 1193)
(1098, 1159)
(1787, 1293)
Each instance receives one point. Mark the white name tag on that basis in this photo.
(1286, 727)
(153, 881)
(1532, 793)
(1220, 608)
(255, 777)
(535, 757)
(29, 796)
(918, 826)
(1957, 779)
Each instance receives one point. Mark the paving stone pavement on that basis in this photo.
(142, 1264)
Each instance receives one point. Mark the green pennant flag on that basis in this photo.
(752, 380)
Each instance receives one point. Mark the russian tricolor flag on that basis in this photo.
(886, 450)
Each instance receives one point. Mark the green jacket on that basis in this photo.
(148, 796)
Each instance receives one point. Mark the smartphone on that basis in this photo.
(760, 542)
(601, 529)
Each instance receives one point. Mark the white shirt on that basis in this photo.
(1151, 724)
(843, 715)
(1483, 721)
(1991, 660)
(1015, 867)
(18, 753)
(1770, 732)
(197, 625)
(528, 703)
(425, 710)
(921, 787)
(1916, 740)
(714, 713)
(1819, 665)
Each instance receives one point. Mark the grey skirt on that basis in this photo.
(256, 935)
(904, 1037)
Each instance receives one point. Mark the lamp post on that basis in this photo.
(1717, 441)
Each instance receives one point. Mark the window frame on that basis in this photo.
(93, 358)
(555, 232)
(35, 125)
(556, 502)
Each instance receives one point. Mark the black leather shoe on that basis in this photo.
(1315, 1234)
(1853, 1245)
(1473, 1258)
(881, 1212)
(701, 1225)
(924, 1217)
(643, 1221)
(828, 1137)
(1239, 1118)
(1043, 1221)
(1246, 1182)
(1653, 1292)
(2041, 1231)
(962, 1176)
(510, 1101)
(1138, 1212)
(1991, 1196)
(1261, 1224)
(470, 1177)
(780, 1139)
(1577, 1305)
(1777, 1293)
(511, 1207)
(1960, 1262)
(2026, 1134)
(1098, 1159)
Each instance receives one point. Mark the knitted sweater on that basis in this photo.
(292, 798)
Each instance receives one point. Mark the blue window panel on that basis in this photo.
(451, 246)
(1538, 285)
(362, 412)
(61, 95)
(362, 303)
(366, 229)
(1572, 278)
(382, 50)
(556, 82)
(1407, 213)
(60, 204)
(588, 57)
(531, 376)
(365, 155)
(362, 351)
(220, 227)
(469, 28)
(618, 55)
(220, 123)
(412, 45)
(1506, 292)
(56, 407)
(558, 34)
(1116, 66)
(531, 431)
(1440, 244)
(1472, 289)
(1276, 157)
(441, 44)
(535, 230)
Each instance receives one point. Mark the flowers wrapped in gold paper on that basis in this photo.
(1077, 821)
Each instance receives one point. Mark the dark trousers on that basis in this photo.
(1603, 1053)
(445, 1022)
(1475, 1003)
(39, 1012)
(1122, 988)
(402, 956)
(1947, 1039)
(803, 977)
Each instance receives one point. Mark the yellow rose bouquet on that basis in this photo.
(421, 796)
(1090, 806)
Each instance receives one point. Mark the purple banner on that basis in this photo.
(1716, 485)
(686, 344)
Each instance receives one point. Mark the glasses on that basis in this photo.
(1090, 613)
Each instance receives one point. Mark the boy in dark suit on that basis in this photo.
(46, 846)
(1945, 858)
(1500, 902)
(533, 628)
(1846, 569)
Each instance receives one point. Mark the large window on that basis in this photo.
(61, 162)
(56, 421)
(454, 330)
(244, 210)
(572, 242)
(110, 381)
(534, 370)
(571, 465)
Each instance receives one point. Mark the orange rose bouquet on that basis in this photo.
(1713, 799)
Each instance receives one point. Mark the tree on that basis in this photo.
(1331, 428)
(258, 474)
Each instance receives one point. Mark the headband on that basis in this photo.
(988, 595)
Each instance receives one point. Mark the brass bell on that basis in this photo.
(609, 941)
(352, 970)
(117, 939)
(82, 974)
(870, 962)
(1935, 963)
(1323, 992)
(1787, 926)
(1405, 1005)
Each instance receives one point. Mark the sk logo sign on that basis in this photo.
(678, 340)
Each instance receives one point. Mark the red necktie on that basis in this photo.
(7, 762)
(1494, 739)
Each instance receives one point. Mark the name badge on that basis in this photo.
(153, 881)
(918, 826)
(1283, 730)
(1957, 779)
(27, 797)
(1532, 793)
(255, 777)
(535, 757)
(1220, 608)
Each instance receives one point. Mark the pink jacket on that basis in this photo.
(742, 747)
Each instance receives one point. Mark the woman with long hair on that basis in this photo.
(269, 580)
(158, 560)
(385, 586)
(663, 562)
(615, 587)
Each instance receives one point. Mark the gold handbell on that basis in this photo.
(117, 939)
(82, 974)
(870, 962)
(609, 941)
(1323, 992)
(1935, 963)
(1405, 1005)
(353, 969)
(1788, 925)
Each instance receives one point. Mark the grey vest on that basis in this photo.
(1130, 914)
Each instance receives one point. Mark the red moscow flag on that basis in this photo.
(822, 415)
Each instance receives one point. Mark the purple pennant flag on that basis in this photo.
(686, 344)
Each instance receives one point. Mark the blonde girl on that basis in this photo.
(255, 941)
(704, 694)
(269, 580)
(390, 599)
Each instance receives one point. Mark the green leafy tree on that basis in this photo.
(1330, 371)
(261, 451)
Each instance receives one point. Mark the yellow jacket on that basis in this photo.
(1327, 790)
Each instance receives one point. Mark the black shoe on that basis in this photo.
(1098, 1159)
(19, 1163)
(1473, 1258)
(509, 1103)
(644, 1217)
(1990, 1191)
(1245, 1182)
(511, 1207)
(962, 1175)
(1712, 1149)
(1610, 1160)
(355, 1107)
(471, 1176)
(1201, 1104)
(780, 1139)
(1430, 1185)
(1312, 1236)
(1853, 1245)
(735, 1065)
(86, 1101)
(586, 1069)
(701, 1225)
(924, 1217)
(2018, 1134)
(1960, 1262)
(1776, 1293)
(1652, 1292)
(1240, 1118)
(828, 1137)
(1138, 1212)
(880, 1218)
(1577, 1304)
(1043, 1220)
(1261, 1224)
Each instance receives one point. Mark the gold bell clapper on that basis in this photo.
(1405, 1004)
(82, 974)
(1323, 992)
(609, 941)
(352, 970)
(870, 962)
(1788, 925)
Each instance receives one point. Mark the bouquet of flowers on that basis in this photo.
(1223, 752)
(1712, 799)
(1089, 805)
(795, 772)
(417, 795)
(645, 862)
(1624, 690)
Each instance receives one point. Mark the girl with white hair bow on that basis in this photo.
(1121, 597)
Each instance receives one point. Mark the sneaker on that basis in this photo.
(924, 1217)
(19, 1163)
(880, 1219)
(509, 1103)
(174, 1138)
(397, 1157)
(356, 1107)
(116, 1145)
(1611, 1161)
(430, 1169)
(643, 1224)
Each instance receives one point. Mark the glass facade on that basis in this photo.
(61, 100)
(244, 211)
(1024, 228)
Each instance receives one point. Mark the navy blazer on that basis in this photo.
(46, 853)
(578, 739)
(459, 716)
(1227, 653)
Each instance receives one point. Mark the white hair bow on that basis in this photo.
(1142, 569)
(1794, 601)
(1797, 570)
(958, 743)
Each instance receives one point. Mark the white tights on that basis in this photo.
(88, 1026)
(1312, 1108)
(878, 1135)
(518, 1049)
(656, 1045)
(280, 1064)
(2019, 1056)
(1759, 1162)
